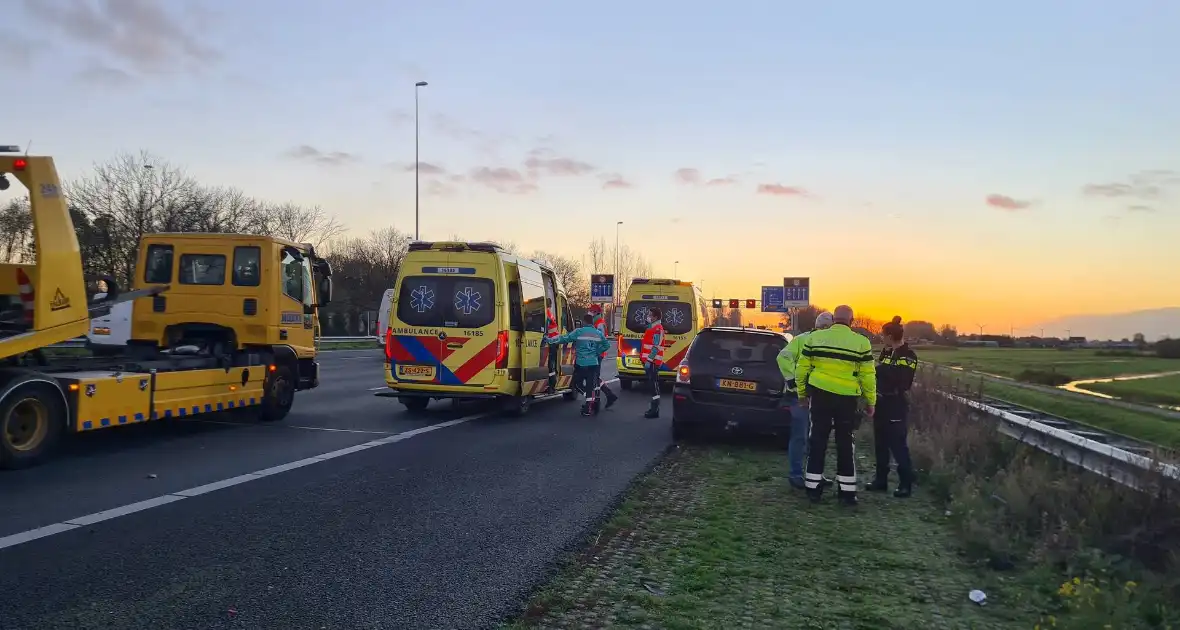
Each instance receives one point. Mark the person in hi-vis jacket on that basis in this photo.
(589, 344)
(652, 355)
(552, 330)
(600, 324)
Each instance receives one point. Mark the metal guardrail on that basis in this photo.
(80, 342)
(1112, 456)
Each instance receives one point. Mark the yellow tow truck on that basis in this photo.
(221, 322)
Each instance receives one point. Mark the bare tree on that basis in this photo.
(600, 258)
(301, 224)
(231, 211)
(569, 270)
(363, 268)
(137, 194)
(16, 231)
(867, 324)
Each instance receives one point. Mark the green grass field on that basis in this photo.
(1164, 390)
(715, 538)
(1145, 426)
(1077, 364)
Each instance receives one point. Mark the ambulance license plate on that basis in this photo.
(745, 386)
(415, 372)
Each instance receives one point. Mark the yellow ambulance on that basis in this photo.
(684, 313)
(466, 322)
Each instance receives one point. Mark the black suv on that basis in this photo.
(730, 381)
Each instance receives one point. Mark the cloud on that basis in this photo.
(781, 190)
(543, 161)
(504, 180)
(104, 76)
(424, 168)
(688, 176)
(693, 177)
(1140, 208)
(1005, 202)
(311, 154)
(1149, 185)
(140, 32)
(615, 181)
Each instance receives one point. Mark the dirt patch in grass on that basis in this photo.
(715, 538)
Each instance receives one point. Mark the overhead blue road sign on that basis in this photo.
(772, 300)
(602, 287)
(796, 292)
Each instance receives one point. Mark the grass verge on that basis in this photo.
(1145, 426)
(715, 538)
(1114, 551)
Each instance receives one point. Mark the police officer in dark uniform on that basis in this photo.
(895, 376)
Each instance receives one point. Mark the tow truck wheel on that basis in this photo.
(279, 396)
(32, 419)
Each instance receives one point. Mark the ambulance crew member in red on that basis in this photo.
(835, 371)
(895, 376)
(552, 332)
(600, 323)
(652, 355)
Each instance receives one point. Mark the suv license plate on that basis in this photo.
(745, 386)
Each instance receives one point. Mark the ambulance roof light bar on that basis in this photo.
(9, 148)
(666, 281)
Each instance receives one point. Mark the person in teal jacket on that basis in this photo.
(589, 344)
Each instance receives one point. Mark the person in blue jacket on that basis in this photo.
(589, 344)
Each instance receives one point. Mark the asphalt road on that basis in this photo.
(449, 527)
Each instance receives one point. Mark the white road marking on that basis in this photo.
(21, 538)
(377, 389)
(293, 426)
(288, 426)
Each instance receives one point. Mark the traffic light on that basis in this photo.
(751, 303)
(734, 304)
(716, 303)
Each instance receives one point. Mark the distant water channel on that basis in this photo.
(1077, 386)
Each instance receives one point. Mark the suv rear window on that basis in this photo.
(446, 301)
(729, 347)
(677, 316)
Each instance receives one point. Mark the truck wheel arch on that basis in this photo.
(12, 379)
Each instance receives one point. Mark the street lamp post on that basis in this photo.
(417, 86)
(618, 281)
(676, 270)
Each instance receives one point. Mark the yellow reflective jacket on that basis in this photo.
(788, 358)
(839, 361)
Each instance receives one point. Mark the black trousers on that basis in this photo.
(890, 430)
(603, 388)
(652, 372)
(586, 381)
(554, 354)
(831, 411)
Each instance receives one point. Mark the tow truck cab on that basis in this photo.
(232, 293)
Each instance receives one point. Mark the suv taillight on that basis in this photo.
(682, 374)
(502, 350)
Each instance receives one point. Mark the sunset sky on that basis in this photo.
(1000, 163)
